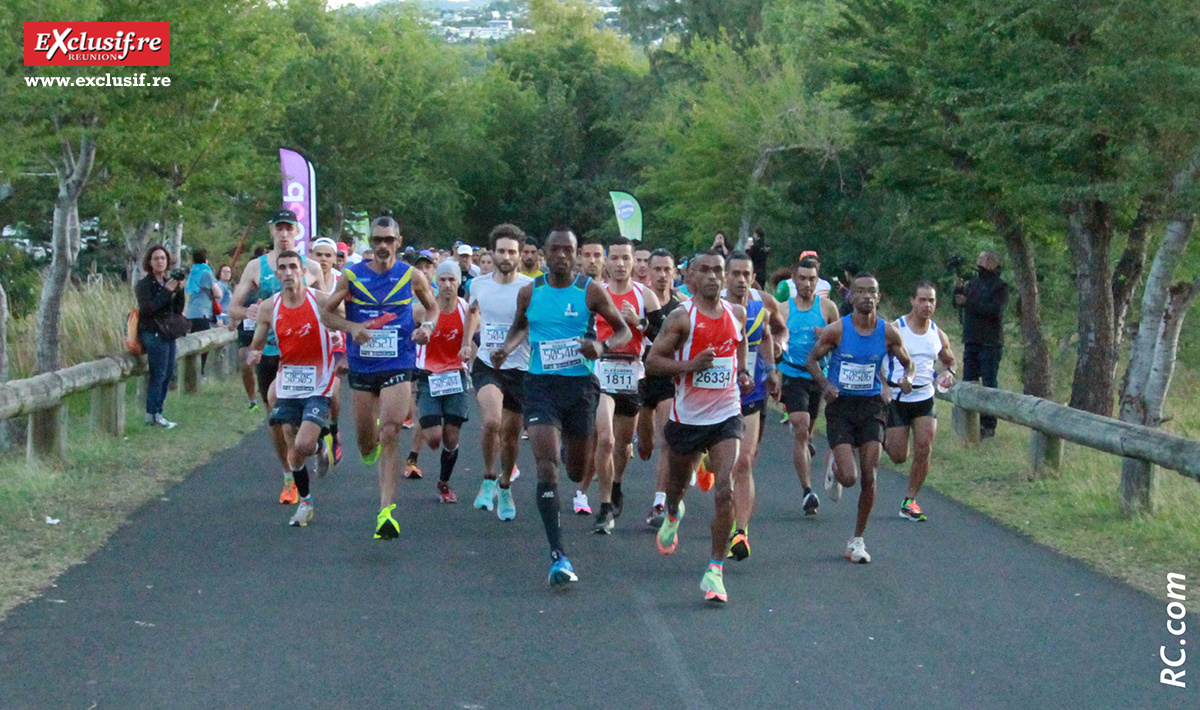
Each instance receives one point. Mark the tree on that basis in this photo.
(739, 21)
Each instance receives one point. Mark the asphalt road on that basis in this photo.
(207, 599)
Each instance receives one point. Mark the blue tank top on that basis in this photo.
(557, 317)
(854, 364)
(269, 285)
(801, 339)
(371, 295)
(756, 320)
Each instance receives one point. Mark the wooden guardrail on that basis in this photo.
(1052, 423)
(41, 397)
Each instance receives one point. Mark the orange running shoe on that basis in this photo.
(290, 494)
(411, 470)
(704, 478)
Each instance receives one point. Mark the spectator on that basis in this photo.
(201, 290)
(486, 265)
(719, 244)
(759, 251)
(465, 255)
(160, 321)
(224, 280)
(982, 300)
(339, 262)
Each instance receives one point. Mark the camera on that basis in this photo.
(178, 275)
(954, 264)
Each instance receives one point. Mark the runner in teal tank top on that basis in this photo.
(854, 410)
(805, 315)
(554, 313)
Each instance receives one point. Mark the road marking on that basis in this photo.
(689, 689)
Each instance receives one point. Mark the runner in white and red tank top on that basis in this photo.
(702, 347)
(442, 381)
(305, 380)
(324, 252)
(619, 372)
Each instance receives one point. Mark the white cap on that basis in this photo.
(464, 249)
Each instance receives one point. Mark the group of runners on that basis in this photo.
(604, 352)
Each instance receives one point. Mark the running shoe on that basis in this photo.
(713, 585)
(618, 501)
(445, 493)
(561, 571)
(524, 435)
(516, 473)
(328, 449)
(304, 514)
(856, 551)
(486, 500)
(785, 418)
(812, 451)
(668, 534)
(811, 503)
(832, 487)
(386, 527)
(408, 423)
(411, 471)
(581, 504)
(909, 510)
(290, 494)
(160, 420)
(658, 513)
(704, 478)
(505, 508)
(373, 456)
(253, 406)
(739, 546)
(605, 521)
(321, 458)
(337, 449)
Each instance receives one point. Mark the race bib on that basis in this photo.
(493, 335)
(444, 383)
(296, 381)
(618, 376)
(853, 376)
(383, 343)
(560, 354)
(249, 324)
(717, 377)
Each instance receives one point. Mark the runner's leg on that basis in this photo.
(743, 472)
(394, 401)
(868, 455)
(924, 431)
(722, 456)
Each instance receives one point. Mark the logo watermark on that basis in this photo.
(97, 44)
(1176, 611)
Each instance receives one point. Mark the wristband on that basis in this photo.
(428, 323)
(768, 367)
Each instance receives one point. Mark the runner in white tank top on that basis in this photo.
(926, 344)
(702, 347)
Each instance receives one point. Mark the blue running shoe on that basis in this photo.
(561, 572)
(505, 508)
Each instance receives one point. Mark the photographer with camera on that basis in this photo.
(982, 300)
(160, 324)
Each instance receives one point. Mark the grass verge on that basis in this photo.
(102, 481)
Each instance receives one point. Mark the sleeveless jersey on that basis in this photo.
(710, 396)
(497, 305)
(558, 318)
(305, 349)
(854, 363)
(801, 338)
(442, 352)
(619, 376)
(756, 320)
(269, 285)
(923, 349)
(372, 295)
(636, 296)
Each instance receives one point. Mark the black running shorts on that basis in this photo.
(688, 439)
(565, 402)
(801, 394)
(902, 414)
(510, 382)
(374, 382)
(655, 389)
(854, 420)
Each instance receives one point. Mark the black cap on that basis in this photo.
(287, 216)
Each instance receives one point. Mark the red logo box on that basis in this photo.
(97, 44)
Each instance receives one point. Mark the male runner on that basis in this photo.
(259, 282)
(805, 314)
(763, 325)
(442, 375)
(857, 345)
(591, 264)
(305, 380)
(657, 391)
(702, 347)
(381, 352)
(500, 390)
(619, 371)
(324, 252)
(926, 344)
(641, 265)
(530, 258)
(554, 312)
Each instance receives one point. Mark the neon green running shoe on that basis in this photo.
(373, 456)
(386, 526)
(668, 534)
(713, 585)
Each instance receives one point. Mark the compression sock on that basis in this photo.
(301, 476)
(547, 503)
(412, 457)
(449, 458)
(807, 490)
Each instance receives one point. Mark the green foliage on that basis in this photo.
(21, 277)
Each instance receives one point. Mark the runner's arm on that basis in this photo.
(831, 336)
(661, 359)
(895, 346)
(469, 328)
(332, 317)
(946, 354)
(423, 292)
(261, 329)
(600, 303)
(745, 378)
(249, 280)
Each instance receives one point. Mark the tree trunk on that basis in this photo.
(137, 241)
(6, 430)
(1089, 235)
(1035, 357)
(760, 167)
(1127, 276)
(1179, 301)
(339, 221)
(72, 178)
(175, 242)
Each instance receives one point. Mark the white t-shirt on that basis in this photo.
(497, 305)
